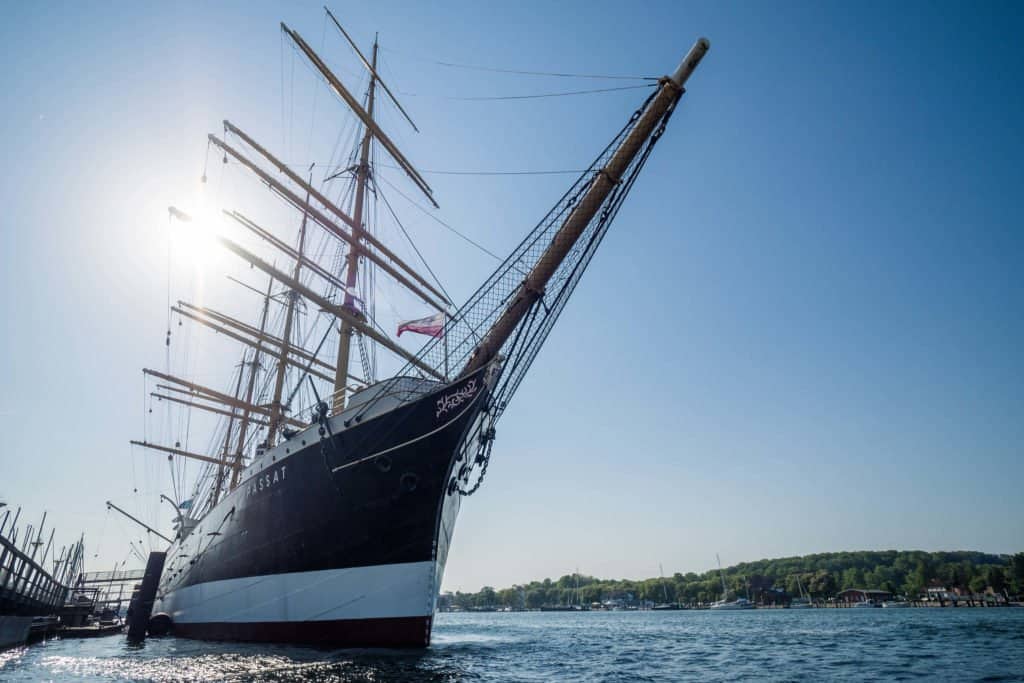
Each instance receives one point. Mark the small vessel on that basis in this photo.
(895, 604)
(573, 604)
(738, 603)
(804, 601)
(866, 603)
(666, 605)
(725, 603)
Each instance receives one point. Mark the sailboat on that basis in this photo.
(804, 601)
(665, 605)
(573, 602)
(725, 603)
(331, 524)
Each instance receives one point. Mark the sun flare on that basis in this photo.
(193, 234)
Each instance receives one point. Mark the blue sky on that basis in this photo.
(801, 335)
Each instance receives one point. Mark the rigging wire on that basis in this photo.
(534, 96)
(521, 72)
(103, 532)
(574, 171)
(281, 36)
(291, 107)
(309, 365)
(332, 167)
(316, 91)
(167, 358)
(441, 222)
(413, 244)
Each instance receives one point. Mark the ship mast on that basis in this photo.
(254, 367)
(352, 261)
(219, 483)
(276, 411)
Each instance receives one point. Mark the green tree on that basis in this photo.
(821, 574)
(591, 593)
(509, 597)
(486, 597)
(924, 572)
(996, 578)
(1017, 574)
(853, 577)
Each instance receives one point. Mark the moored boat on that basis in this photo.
(725, 603)
(804, 601)
(738, 603)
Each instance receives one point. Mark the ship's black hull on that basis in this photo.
(337, 541)
(396, 632)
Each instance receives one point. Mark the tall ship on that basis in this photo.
(328, 519)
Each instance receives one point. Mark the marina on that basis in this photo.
(44, 595)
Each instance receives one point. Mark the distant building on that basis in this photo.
(863, 595)
(445, 601)
(940, 593)
(771, 596)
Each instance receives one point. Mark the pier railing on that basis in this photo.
(113, 576)
(25, 587)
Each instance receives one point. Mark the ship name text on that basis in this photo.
(266, 480)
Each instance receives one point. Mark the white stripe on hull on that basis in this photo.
(384, 591)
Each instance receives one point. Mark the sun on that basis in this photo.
(193, 234)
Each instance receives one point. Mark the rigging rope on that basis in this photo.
(535, 96)
(441, 222)
(316, 91)
(521, 72)
(520, 350)
(575, 171)
(413, 244)
(333, 171)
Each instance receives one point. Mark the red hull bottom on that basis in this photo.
(396, 632)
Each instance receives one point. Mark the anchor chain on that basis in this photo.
(320, 415)
(483, 458)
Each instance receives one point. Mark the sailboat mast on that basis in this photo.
(276, 410)
(352, 262)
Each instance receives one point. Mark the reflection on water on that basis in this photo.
(957, 644)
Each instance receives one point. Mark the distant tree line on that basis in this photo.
(822, 576)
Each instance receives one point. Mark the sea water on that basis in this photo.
(960, 644)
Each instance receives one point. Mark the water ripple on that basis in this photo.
(777, 645)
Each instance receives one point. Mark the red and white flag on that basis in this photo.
(433, 325)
